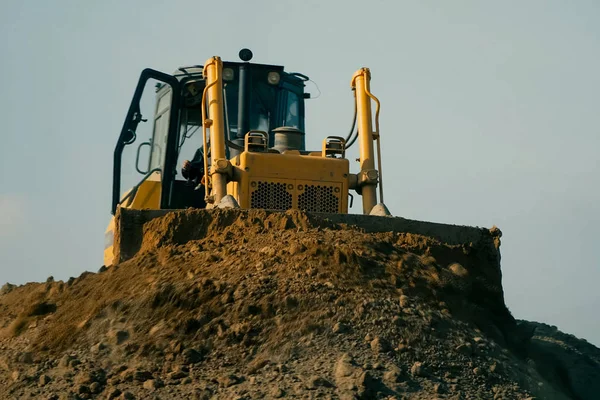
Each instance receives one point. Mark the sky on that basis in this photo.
(489, 117)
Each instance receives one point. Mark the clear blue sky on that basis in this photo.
(489, 116)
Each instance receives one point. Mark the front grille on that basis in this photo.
(270, 196)
(318, 198)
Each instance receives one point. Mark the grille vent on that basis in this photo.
(270, 196)
(318, 198)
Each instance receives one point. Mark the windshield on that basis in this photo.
(263, 99)
(271, 106)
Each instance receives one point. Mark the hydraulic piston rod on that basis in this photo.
(368, 176)
(213, 94)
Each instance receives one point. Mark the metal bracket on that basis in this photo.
(256, 141)
(333, 145)
(221, 166)
(352, 181)
(367, 177)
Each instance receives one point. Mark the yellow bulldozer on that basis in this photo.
(244, 125)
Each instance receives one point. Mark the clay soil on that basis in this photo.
(262, 305)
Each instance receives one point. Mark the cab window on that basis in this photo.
(161, 127)
(292, 111)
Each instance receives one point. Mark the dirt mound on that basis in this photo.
(255, 304)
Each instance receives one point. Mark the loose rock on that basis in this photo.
(191, 356)
(113, 393)
(44, 380)
(153, 384)
(392, 375)
(404, 301)
(229, 380)
(417, 369)
(118, 336)
(379, 345)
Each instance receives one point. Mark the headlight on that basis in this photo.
(227, 74)
(273, 78)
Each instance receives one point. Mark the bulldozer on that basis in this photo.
(245, 125)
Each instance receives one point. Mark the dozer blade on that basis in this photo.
(140, 230)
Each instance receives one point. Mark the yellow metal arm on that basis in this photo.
(368, 176)
(213, 94)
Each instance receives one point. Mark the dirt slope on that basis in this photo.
(268, 305)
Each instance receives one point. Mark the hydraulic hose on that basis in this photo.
(353, 125)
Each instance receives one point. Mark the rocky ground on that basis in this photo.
(263, 306)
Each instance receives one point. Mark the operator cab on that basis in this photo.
(256, 97)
